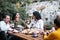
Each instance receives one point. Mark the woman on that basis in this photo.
(17, 25)
(17, 20)
(37, 22)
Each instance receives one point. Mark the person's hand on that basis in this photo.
(12, 25)
(15, 30)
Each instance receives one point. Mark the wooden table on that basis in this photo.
(28, 37)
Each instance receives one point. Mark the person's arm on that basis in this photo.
(49, 37)
(31, 24)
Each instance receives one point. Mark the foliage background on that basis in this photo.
(12, 6)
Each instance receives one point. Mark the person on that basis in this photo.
(36, 21)
(17, 20)
(4, 27)
(55, 35)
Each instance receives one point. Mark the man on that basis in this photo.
(56, 34)
(4, 25)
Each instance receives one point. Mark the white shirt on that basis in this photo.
(39, 24)
(4, 27)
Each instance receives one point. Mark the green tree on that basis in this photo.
(9, 7)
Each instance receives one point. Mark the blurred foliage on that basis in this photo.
(49, 26)
(22, 12)
(9, 7)
(6, 7)
(12, 6)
